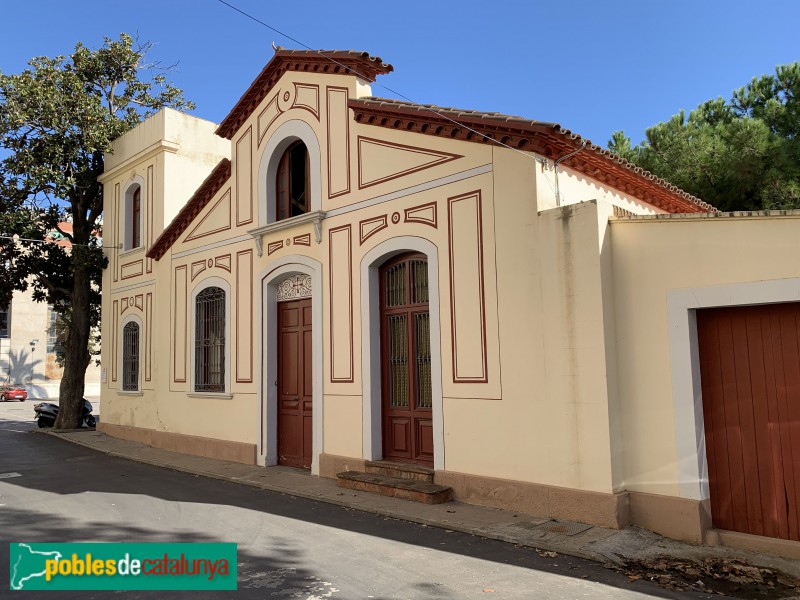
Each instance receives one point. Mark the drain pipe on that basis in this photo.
(555, 169)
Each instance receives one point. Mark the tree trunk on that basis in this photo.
(76, 347)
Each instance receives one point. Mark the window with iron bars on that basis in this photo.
(209, 341)
(130, 357)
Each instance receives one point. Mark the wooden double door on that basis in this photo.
(294, 383)
(407, 397)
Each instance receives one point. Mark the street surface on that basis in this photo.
(288, 547)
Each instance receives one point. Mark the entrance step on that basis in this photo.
(399, 470)
(407, 489)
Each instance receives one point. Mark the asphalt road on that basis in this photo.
(288, 547)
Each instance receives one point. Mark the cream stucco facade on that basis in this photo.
(559, 385)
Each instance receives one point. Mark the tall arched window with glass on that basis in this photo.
(209, 344)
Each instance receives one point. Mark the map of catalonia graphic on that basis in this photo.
(30, 564)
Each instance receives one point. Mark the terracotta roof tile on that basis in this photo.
(545, 138)
(339, 62)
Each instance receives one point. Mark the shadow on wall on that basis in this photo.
(19, 368)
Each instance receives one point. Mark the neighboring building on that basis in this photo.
(30, 344)
(334, 278)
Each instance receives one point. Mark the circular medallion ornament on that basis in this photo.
(285, 96)
(130, 300)
(396, 218)
(210, 262)
(288, 242)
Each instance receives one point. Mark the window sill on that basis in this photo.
(130, 251)
(210, 395)
(129, 393)
(315, 217)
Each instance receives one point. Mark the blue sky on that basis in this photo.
(592, 66)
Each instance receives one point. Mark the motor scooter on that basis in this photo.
(46, 413)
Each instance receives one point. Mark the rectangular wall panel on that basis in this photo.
(148, 341)
(244, 179)
(341, 304)
(338, 142)
(117, 241)
(149, 215)
(113, 340)
(467, 297)
(244, 316)
(180, 319)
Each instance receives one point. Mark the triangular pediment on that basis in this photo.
(216, 219)
(380, 160)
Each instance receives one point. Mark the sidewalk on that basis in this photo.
(608, 546)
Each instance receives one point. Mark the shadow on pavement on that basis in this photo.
(80, 470)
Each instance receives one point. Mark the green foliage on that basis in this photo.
(741, 154)
(57, 119)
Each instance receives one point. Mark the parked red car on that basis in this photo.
(13, 392)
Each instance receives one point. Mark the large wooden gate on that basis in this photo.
(750, 373)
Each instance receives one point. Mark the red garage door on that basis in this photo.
(750, 372)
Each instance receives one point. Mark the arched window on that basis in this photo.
(292, 192)
(209, 341)
(130, 357)
(133, 218)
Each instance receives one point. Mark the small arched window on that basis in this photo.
(209, 341)
(133, 218)
(292, 193)
(130, 357)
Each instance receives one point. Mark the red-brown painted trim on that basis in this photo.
(192, 234)
(148, 355)
(239, 256)
(334, 62)
(302, 240)
(123, 305)
(198, 267)
(262, 133)
(274, 247)
(149, 261)
(138, 301)
(444, 157)
(114, 335)
(410, 218)
(314, 110)
(450, 201)
(249, 135)
(381, 223)
(223, 261)
(139, 263)
(212, 184)
(331, 277)
(117, 241)
(346, 116)
(185, 325)
(546, 139)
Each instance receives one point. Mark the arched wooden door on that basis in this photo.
(407, 397)
(294, 375)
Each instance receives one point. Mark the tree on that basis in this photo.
(743, 154)
(57, 119)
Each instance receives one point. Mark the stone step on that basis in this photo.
(399, 470)
(407, 489)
